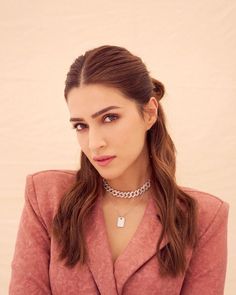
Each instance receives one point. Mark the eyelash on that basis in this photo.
(104, 117)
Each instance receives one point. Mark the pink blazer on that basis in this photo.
(35, 269)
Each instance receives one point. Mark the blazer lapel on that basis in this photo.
(100, 259)
(142, 246)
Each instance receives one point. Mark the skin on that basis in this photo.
(124, 137)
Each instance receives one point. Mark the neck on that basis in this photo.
(120, 199)
(132, 179)
(123, 202)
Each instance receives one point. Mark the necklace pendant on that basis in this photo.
(120, 221)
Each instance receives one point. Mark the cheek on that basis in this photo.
(130, 138)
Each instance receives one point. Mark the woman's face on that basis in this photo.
(119, 131)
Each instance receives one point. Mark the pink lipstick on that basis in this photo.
(105, 160)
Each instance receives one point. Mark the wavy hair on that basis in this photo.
(117, 67)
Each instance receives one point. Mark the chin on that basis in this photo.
(109, 175)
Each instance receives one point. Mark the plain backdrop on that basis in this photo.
(188, 45)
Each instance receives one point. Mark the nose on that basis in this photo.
(95, 140)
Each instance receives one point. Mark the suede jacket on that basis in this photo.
(35, 269)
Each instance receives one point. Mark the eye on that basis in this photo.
(82, 126)
(77, 124)
(111, 116)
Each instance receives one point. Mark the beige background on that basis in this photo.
(189, 45)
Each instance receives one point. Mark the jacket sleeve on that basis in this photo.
(30, 264)
(207, 268)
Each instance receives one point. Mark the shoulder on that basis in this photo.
(211, 208)
(44, 190)
(53, 177)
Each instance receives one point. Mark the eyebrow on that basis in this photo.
(96, 114)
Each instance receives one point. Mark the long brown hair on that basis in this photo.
(117, 67)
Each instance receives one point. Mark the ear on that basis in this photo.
(151, 112)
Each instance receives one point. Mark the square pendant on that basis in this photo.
(120, 221)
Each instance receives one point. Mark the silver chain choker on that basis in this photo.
(129, 194)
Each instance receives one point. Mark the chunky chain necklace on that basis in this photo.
(130, 194)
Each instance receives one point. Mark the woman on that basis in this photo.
(120, 224)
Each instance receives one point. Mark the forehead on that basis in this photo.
(90, 98)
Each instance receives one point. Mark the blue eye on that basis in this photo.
(82, 126)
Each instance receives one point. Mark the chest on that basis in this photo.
(119, 237)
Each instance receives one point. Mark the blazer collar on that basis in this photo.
(110, 278)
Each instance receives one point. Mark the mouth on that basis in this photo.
(105, 162)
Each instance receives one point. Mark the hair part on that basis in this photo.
(115, 66)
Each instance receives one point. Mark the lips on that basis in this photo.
(103, 158)
(106, 162)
